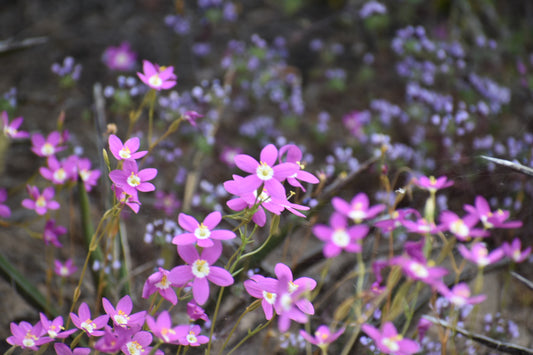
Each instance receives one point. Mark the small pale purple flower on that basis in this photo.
(203, 233)
(128, 150)
(157, 77)
(200, 269)
(191, 117)
(41, 203)
(83, 321)
(338, 236)
(166, 202)
(358, 209)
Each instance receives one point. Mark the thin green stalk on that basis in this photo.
(251, 334)
(248, 309)
(215, 314)
(156, 346)
(151, 116)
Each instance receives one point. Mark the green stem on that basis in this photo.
(248, 309)
(215, 314)
(250, 334)
(151, 116)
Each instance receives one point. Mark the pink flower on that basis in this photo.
(305, 284)
(112, 339)
(389, 341)
(131, 180)
(491, 219)
(121, 316)
(338, 236)
(58, 173)
(228, 154)
(286, 304)
(196, 312)
(54, 328)
(52, 232)
(422, 226)
(462, 228)
(322, 336)
(459, 295)
(479, 254)
(64, 349)
(46, 147)
(139, 344)
(431, 184)
(88, 177)
(294, 155)
(513, 251)
(189, 335)
(358, 209)
(125, 199)
(166, 202)
(5, 211)
(203, 233)
(162, 328)
(157, 77)
(191, 117)
(127, 150)
(120, 58)
(41, 203)
(160, 282)
(66, 269)
(264, 173)
(27, 336)
(84, 322)
(200, 269)
(11, 129)
(395, 219)
(263, 288)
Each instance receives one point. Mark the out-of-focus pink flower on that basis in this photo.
(191, 117)
(11, 129)
(41, 203)
(491, 219)
(54, 329)
(66, 269)
(479, 254)
(462, 228)
(46, 147)
(338, 236)
(322, 336)
(157, 77)
(5, 211)
(159, 282)
(431, 184)
(514, 251)
(52, 232)
(459, 295)
(120, 58)
(27, 336)
(389, 341)
(358, 209)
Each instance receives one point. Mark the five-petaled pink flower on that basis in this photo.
(388, 341)
(27, 336)
(157, 77)
(322, 336)
(263, 288)
(189, 335)
(162, 327)
(125, 151)
(200, 269)
(358, 209)
(431, 184)
(46, 147)
(459, 295)
(83, 321)
(338, 236)
(159, 282)
(491, 219)
(54, 328)
(201, 233)
(11, 129)
(66, 269)
(121, 316)
(120, 58)
(131, 180)
(59, 172)
(264, 172)
(479, 254)
(462, 228)
(41, 203)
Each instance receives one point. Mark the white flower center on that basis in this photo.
(202, 232)
(40, 202)
(458, 300)
(47, 149)
(88, 325)
(263, 197)
(133, 180)
(125, 153)
(459, 228)
(286, 302)
(200, 268)
(264, 171)
(85, 174)
(269, 297)
(419, 270)
(60, 175)
(134, 348)
(29, 340)
(155, 80)
(516, 255)
(292, 287)
(9, 131)
(121, 318)
(391, 344)
(64, 271)
(191, 338)
(340, 238)
(163, 284)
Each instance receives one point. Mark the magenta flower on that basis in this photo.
(189, 335)
(125, 199)
(54, 328)
(41, 203)
(283, 272)
(203, 233)
(338, 236)
(395, 219)
(121, 316)
(196, 312)
(120, 58)
(491, 219)
(191, 117)
(46, 147)
(11, 129)
(388, 341)
(416, 267)
(66, 269)
(88, 177)
(462, 228)
(131, 180)
(127, 150)
(58, 173)
(286, 304)
(5, 211)
(52, 232)
(64, 349)
(421, 226)
(27, 336)
(264, 173)
(166, 202)
(513, 251)
(84, 322)
(112, 339)
(322, 336)
(162, 328)
(157, 77)
(358, 209)
(479, 254)
(200, 269)
(263, 288)
(160, 282)
(139, 344)
(459, 295)
(294, 155)
(431, 184)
